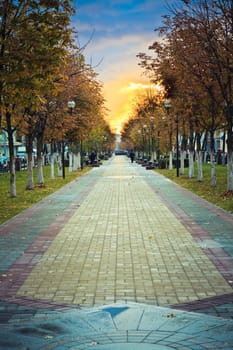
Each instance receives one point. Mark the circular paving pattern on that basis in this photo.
(130, 346)
(108, 346)
(119, 327)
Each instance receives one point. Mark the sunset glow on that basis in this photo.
(140, 86)
(113, 34)
(120, 96)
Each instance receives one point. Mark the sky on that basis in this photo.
(113, 33)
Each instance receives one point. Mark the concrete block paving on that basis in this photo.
(107, 261)
(148, 254)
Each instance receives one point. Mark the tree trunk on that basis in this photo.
(70, 162)
(11, 154)
(229, 172)
(182, 157)
(170, 161)
(183, 147)
(213, 180)
(30, 181)
(154, 156)
(52, 176)
(199, 158)
(205, 157)
(79, 159)
(75, 162)
(59, 165)
(52, 161)
(40, 176)
(12, 167)
(230, 151)
(224, 142)
(191, 164)
(199, 167)
(191, 148)
(29, 148)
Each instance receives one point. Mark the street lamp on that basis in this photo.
(70, 105)
(144, 140)
(104, 138)
(177, 147)
(167, 105)
(139, 144)
(152, 138)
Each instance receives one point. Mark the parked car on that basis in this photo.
(121, 152)
(4, 166)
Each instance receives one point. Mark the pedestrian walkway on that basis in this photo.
(120, 245)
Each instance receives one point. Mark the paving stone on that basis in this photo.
(120, 234)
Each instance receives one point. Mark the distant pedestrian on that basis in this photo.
(92, 157)
(17, 163)
(132, 156)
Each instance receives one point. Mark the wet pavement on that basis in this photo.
(122, 258)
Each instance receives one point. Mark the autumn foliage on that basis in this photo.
(192, 58)
(41, 69)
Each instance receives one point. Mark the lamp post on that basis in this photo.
(81, 153)
(167, 106)
(152, 136)
(104, 138)
(70, 105)
(177, 147)
(139, 144)
(144, 140)
(63, 158)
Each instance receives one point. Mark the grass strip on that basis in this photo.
(217, 195)
(9, 207)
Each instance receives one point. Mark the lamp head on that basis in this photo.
(71, 104)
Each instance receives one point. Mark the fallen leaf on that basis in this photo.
(48, 337)
(169, 315)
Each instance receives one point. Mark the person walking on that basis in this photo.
(132, 156)
(92, 157)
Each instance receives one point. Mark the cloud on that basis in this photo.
(117, 42)
(118, 70)
(117, 55)
(120, 95)
(122, 29)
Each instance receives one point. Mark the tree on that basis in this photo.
(196, 56)
(211, 23)
(141, 132)
(78, 126)
(34, 37)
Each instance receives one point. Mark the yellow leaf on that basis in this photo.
(169, 315)
(48, 337)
